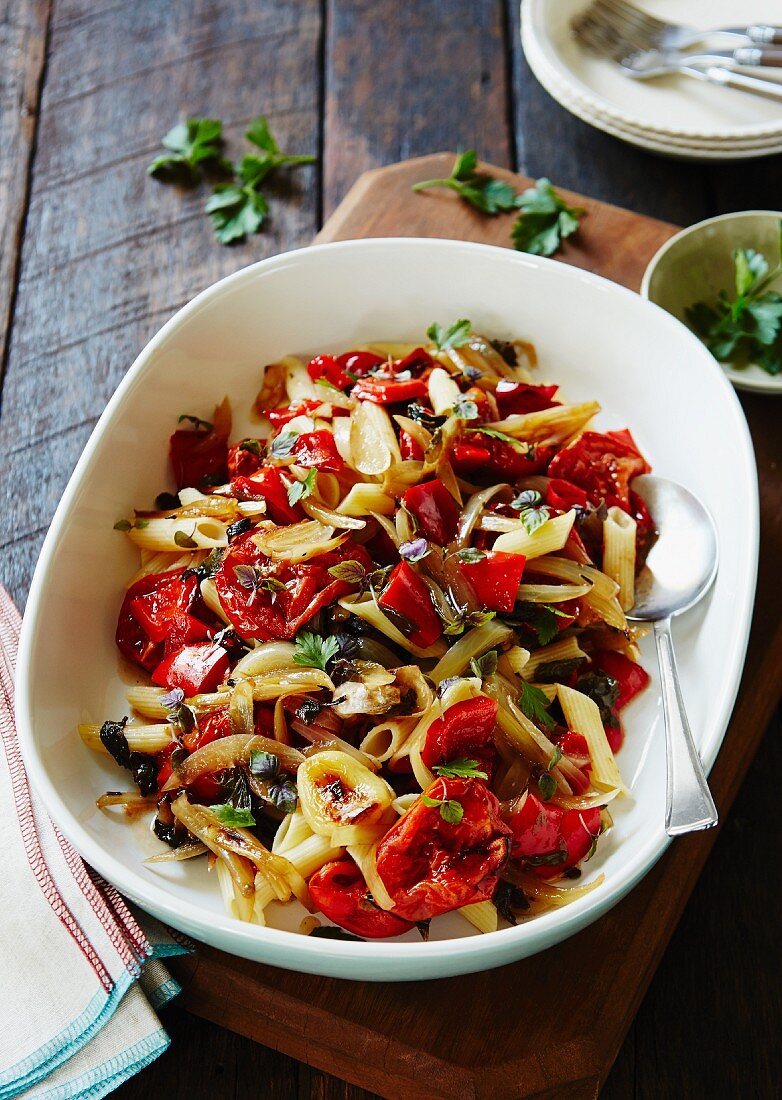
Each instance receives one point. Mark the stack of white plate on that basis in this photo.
(676, 115)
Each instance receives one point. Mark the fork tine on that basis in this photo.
(634, 16)
(610, 29)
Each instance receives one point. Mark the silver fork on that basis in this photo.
(619, 28)
(648, 64)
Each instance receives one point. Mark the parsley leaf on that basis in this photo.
(236, 211)
(298, 490)
(260, 135)
(450, 810)
(192, 144)
(747, 328)
(459, 769)
(314, 650)
(231, 817)
(545, 220)
(534, 703)
(455, 336)
(484, 192)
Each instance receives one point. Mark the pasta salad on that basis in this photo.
(382, 646)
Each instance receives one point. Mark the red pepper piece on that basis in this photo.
(359, 363)
(632, 678)
(205, 789)
(264, 720)
(318, 450)
(326, 366)
(430, 865)
(495, 579)
(267, 485)
(183, 630)
(388, 393)
(417, 361)
(407, 594)
(563, 496)
(409, 447)
(503, 461)
(467, 458)
(199, 458)
(193, 668)
(243, 462)
(435, 510)
(545, 831)
(340, 892)
(465, 730)
(520, 397)
(282, 415)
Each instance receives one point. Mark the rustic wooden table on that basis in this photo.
(94, 256)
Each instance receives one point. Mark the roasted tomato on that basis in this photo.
(340, 892)
(282, 415)
(359, 363)
(466, 729)
(603, 465)
(549, 839)
(211, 727)
(149, 611)
(430, 865)
(318, 450)
(256, 612)
(498, 459)
(632, 678)
(381, 392)
(327, 368)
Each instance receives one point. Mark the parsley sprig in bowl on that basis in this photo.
(723, 279)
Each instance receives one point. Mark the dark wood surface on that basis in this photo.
(94, 257)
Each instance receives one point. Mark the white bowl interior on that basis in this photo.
(595, 339)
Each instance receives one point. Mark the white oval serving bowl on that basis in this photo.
(596, 339)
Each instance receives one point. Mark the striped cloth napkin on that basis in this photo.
(80, 974)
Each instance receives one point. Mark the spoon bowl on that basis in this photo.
(679, 571)
(682, 564)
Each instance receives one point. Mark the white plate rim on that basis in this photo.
(642, 139)
(533, 32)
(324, 956)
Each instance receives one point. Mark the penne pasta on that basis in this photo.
(582, 715)
(551, 535)
(619, 554)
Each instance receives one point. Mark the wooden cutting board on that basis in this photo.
(549, 1025)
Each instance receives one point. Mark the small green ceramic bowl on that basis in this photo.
(697, 263)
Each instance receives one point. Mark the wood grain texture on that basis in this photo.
(403, 79)
(23, 32)
(400, 1039)
(109, 254)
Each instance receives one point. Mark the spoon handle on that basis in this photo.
(689, 805)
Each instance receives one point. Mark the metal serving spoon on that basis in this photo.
(680, 569)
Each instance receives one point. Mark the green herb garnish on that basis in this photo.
(231, 817)
(351, 572)
(455, 336)
(313, 650)
(192, 144)
(747, 328)
(545, 220)
(298, 490)
(533, 513)
(484, 666)
(458, 769)
(450, 810)
(534, 704)
(484, 192)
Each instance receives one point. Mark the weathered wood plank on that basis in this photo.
(23, 31)
(109, 254)
(403, 80)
